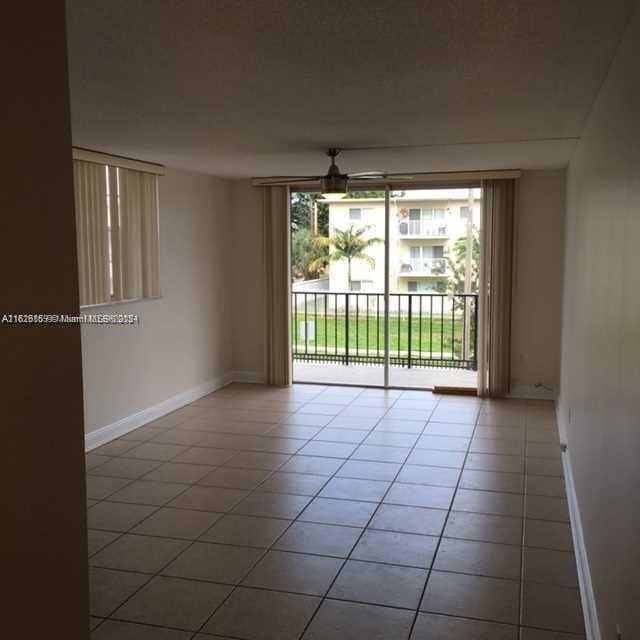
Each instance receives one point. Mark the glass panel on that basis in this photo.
(338, 277)
(432, 286)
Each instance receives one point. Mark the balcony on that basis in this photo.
(425, 330)
(422, 267)
(425, 229)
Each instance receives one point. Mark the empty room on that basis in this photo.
(303, 320)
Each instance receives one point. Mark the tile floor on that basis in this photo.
(333, 513)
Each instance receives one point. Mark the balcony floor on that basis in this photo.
(420, 378)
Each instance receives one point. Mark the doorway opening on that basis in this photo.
(384, 287)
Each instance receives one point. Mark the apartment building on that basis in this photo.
(423, 228)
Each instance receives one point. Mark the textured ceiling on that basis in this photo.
(245, 87)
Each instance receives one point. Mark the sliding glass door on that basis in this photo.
(384, 287)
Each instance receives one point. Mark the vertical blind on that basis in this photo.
(117, 233)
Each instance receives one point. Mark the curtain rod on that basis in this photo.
(124, 162)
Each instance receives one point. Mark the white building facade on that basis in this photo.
(424, 225)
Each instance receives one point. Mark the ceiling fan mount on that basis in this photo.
(334, 185)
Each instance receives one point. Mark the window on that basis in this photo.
(117, 233)
(361, 285)
(412, 286)
(355, 214)
(464, 212)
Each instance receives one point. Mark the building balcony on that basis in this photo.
(422, 229)
(414, 267)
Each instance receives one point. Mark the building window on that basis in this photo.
(412, 286)
(355, 215)
(464, 212)
(361, 285)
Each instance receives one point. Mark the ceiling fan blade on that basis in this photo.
(287, 179)
(399, 176)
(366, 175)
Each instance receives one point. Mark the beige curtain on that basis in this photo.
(135, 235)
(90, 186)
(276, 253)
(496, 265)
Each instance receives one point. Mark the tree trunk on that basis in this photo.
(349, 274)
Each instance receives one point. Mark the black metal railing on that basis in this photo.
(425, 329)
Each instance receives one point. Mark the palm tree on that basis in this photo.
(349, 244)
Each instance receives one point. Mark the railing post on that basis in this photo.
(409, 333)
(475, 332)
(346, 329)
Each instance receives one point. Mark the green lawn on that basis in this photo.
(433, 338)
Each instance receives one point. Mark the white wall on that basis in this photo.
(182, 340)
(248, 298)
(599, 404)
(537, 284)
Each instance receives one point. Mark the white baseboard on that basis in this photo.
(589, 608)
(129, 423)
(531, 392)
(252, 377)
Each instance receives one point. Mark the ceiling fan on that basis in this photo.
(335, 184)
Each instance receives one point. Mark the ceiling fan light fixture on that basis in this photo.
(334, 187)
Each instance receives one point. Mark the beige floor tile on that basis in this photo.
(366, 470)
(438, 476)
(177, 523)
(550, 567)
(391, 439)
(479, 558)
(346, 422)
(328, 449)
(484, 528)
(497, 446)
(94, 622)
(393, 425)
(256, 614)
(349, 436)
(543, 435)
(456, 594)
(114, 630)
(431, 626)
(155, 451)
(449, 429)
(548, 535)
(551, 607)
(294, 572)
(353, 621)
(320, 539)
(307, 420)
(546, 508)
(246, 531)
(433, 458)
(204, 455)
(124, 468)
(543, 450)
(257, 460)
(215, 499)
(495, 462)
(229, 478)
(312, 464)
(413, 495)
(545, 486)
(544, 467)
(117, 516)
(272, 505)
(108, 589)
(491, 502)
(442, 443)
(296, 483)
(355, 489)
(415, 414)
(99, 487)
(99, 539)
(403, 519)
(148, 492)
(138, 553)
(500, 433)
(384, 584)
(320, 408)
(174, 602)
(378, 453)
(214, 562)
(527, 633)
(184, 437)
(405, 549)
(492, 481)
(332, 511)
(115, 448)
(178, 472)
